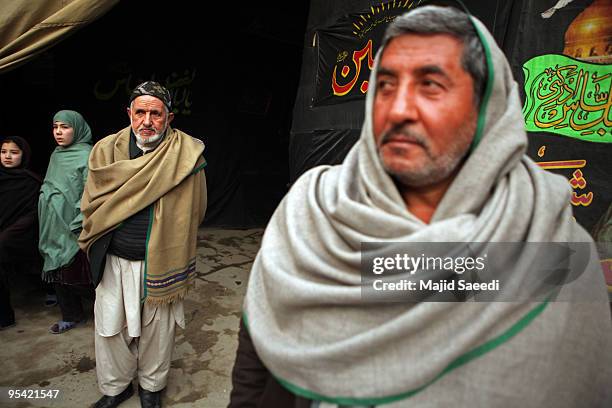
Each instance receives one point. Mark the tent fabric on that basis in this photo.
(29, 27)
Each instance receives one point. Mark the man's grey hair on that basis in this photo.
(446, 20)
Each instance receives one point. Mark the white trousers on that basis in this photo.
(131, 338)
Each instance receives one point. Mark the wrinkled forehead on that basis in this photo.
(420, 49)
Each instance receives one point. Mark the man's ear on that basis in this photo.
(129, 113)
(170, 117)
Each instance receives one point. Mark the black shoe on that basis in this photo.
(149, 399)
(114, 401)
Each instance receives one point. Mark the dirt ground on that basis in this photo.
(204, 352)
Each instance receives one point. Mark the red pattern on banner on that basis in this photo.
(358, 57)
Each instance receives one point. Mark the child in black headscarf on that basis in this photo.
(19, 189)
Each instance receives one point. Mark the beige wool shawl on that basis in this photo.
(172, 178)
(313, 331)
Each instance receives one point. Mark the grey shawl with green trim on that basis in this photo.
(313, 332)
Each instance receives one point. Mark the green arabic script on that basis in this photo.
(568, 97)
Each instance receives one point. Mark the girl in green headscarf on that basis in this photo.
(59, 212)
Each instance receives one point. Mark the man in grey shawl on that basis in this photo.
(441, 158)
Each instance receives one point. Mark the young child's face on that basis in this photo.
(10, 155)
(63, 133)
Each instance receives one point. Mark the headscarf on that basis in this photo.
(26, 154)
(312, 330)
(59, 205)
(18, 186)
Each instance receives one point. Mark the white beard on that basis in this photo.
(151, 142)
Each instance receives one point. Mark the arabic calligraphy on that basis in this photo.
(344, 46)
(373, 24)
(568, 97)
(541, 151)
(577, 181)
(368, 21)
(358, 57)
(562, 164)
(179, 86)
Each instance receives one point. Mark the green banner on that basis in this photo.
(568, 97)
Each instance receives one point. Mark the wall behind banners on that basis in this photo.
(233, 72)
(565, 64)
(337, 49)
(327, 123)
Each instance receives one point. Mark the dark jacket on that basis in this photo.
(253, 385)
(97, 258)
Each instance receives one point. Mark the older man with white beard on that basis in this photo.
(143, 202)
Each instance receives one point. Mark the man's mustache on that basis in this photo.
(403, 133)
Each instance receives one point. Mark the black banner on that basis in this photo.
(346, 51)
